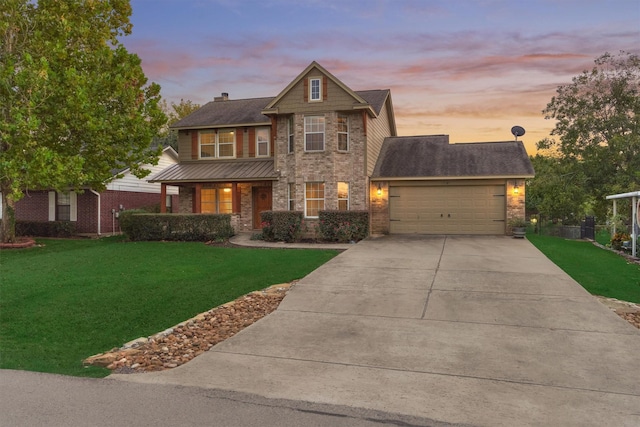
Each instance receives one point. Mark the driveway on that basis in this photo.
(473, 330)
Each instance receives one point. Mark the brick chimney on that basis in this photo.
(224, 96)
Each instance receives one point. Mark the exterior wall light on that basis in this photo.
(516, 189)
(379, 189)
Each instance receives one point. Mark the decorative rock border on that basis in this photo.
(181, 343)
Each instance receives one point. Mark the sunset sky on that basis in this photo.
(469, 69)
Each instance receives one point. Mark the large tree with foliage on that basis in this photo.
(174, 112)
(557, 191)
(74, 104)
(598, 126)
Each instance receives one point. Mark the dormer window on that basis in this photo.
(315, 90)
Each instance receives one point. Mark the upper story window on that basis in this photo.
(291, 132)
(314, 133)
(315, 89)
(262, 142)
(343, 132)
(217, 144)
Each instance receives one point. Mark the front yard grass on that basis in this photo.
(71, 299)
(599, 271)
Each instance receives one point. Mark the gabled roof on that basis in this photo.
(238, 112)
(359, 101)
(432, 157)
(217, 171)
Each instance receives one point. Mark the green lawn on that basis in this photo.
(70, 299)
(599, 271)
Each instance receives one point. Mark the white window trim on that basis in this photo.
(267, 142)
(216, 144)
(311, 80)
(324, 131)
(308, 199)
(73, 206)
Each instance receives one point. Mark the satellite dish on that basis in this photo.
(517, 131)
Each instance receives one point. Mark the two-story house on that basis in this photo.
(313, 147)
(319, 145)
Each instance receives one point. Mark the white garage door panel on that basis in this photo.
(447, 210)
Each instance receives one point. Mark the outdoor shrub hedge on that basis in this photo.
(343, 226)
(46, 229)
(182, 227)
(281, 226)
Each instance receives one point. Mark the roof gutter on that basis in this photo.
(99, 211)
(448, 178)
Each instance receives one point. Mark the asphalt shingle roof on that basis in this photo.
(433, 156)
(249, 111)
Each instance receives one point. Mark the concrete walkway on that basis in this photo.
(474, 330)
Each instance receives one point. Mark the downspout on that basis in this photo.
(99, 211)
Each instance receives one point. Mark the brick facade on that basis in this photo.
(35, 207)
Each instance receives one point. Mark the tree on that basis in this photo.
(557, 191)
(175, 112)
(598, 125)
(74, 104)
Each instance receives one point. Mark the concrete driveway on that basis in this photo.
(473, 330)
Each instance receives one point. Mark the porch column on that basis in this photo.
(615, 212)
(163, 198)
(235, 198)
(196, 198)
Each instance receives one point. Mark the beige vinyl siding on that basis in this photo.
(337, 99)
(377, 130)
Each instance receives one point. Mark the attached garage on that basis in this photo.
(425, 185)
(447, 209)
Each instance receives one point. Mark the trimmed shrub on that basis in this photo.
(181, 227)
(281, 226)
(45, 229)
(343, 226)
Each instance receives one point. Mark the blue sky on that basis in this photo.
(470, 69)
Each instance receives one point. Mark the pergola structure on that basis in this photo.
(635, 222)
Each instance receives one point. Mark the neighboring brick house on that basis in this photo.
(319, 145)
(96, 212)
(311, 148)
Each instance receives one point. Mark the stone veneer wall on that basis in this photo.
(515, 202)
(379, 208)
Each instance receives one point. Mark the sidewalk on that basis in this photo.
(244, 239)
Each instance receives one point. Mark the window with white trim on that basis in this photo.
(217, 144)
(343, 196)
(63, 207)
(216, 200)
(262, 142)
(313, 199)
(315, 89)
(291, 131)
(292, 196)
(343, 132)
(314, 133)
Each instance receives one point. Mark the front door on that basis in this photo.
(261, 203)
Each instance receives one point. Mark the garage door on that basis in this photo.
(447, 210)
